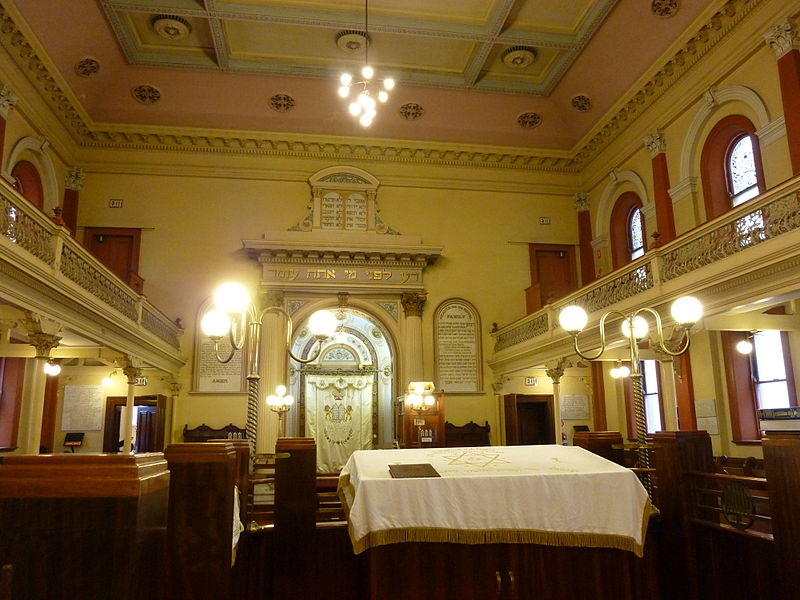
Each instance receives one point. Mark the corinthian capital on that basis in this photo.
(582, 202)
(8, 100)
(656, 143)
(413, 303)
(782, 38)
(74, 179)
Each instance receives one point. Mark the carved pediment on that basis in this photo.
(342, 241)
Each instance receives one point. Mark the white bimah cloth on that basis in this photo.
(552, 495)
(338, 417)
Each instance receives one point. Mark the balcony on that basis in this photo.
(746, 259)
(46, 271)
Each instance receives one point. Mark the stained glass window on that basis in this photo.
(742, 171)
(636, 234)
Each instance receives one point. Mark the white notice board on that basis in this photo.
(82, 408)
(574, 407)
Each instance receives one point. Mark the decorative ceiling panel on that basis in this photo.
(444, 44)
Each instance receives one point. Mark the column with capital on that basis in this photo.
(43, 334)
(582, 206)
(784, 40)
(8, 100)
(132, 371)
(665, 217)
(273, 348)
(73, 184)
(555, 372)
(413, 367)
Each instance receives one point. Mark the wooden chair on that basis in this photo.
(471, 434)
(204, 433)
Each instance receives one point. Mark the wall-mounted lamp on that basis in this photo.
(745, 346)
(420, 395)
(108, 380)
(234, 316)
(52, 368)
(620, 371)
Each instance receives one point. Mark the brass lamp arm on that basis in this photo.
(281, 310)
(660, 341)
(602, 327)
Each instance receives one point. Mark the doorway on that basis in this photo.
(150, 423)
(529, 419)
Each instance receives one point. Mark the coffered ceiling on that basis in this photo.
(524, 73)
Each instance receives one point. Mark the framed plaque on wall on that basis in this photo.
(457, 347)
(210, 375)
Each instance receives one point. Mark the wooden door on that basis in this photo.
(146, 429)
(156, 424)
(529, 419)
(118, 249)
(553, 274)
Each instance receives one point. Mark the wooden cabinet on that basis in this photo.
(420, 428)
(509, 572)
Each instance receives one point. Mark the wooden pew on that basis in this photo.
(83, 526)
(471, 434)
(201, 520)
(718, 541)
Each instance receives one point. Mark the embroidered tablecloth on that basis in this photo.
(553, 495)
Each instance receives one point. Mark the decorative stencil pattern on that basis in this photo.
(529, 120)
(411, 111)
(665, 8)
(86, 67)
(390, 307)
(146, 94)
(581, 103)
(281, 102)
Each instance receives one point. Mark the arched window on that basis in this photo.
(636, 233)
(740, 170)
(28, 182)
(627, 230)
(730, 165)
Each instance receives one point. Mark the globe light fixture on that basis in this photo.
(420, 395)
(235, 318)
(686, 311)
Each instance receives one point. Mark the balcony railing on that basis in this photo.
(674, 268)
(32, 241)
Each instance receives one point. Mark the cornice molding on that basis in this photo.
(90, 135)
(689, 54)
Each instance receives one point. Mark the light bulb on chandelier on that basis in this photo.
(364, 108)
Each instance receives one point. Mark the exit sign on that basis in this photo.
(531, 381)
(115, 203)
(544, 220)
(142, 380)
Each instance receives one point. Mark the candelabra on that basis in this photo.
(686, 311)
(235, 317)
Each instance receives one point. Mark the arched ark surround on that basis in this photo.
(344, 399)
